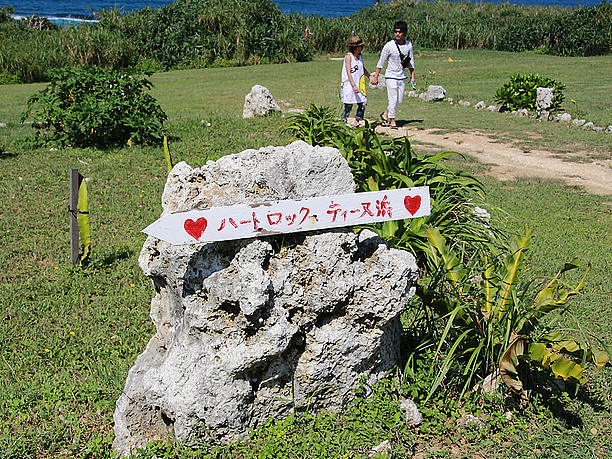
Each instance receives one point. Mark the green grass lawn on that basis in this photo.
(69, 335)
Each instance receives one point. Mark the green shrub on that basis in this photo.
(7, 78)
(93, 45)
(521, 92)
(480, 316)
(93, 107)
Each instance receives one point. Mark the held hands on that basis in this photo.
(373, 80)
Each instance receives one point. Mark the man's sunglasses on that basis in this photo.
(398, 31)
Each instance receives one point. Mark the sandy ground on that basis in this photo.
(508, 162)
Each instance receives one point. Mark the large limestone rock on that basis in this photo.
(259, 102)
(258, 328)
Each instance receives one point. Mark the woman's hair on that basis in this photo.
(401, 25)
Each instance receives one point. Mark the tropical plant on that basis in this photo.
(385, 164)
(90, 106)
(522, 90)
(494, 322)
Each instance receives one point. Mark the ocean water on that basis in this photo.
(81, 9)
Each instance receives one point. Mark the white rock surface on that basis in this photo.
(259, 102)
(480, 105)
(544, 98)
(563, 117)
(258, 328)
(413, 415)
(578, 122)
(435, 93)
(383, 449)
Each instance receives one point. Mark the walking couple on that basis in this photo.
(397, 54)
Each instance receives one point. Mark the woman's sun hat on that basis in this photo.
(355, 41)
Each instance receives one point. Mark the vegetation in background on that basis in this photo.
(93, 107)
(522, 91)
(222, 33)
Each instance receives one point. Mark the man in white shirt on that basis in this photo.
(393, 53)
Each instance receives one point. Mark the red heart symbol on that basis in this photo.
(195, 229)
(412, 204)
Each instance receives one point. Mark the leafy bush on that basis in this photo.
(229, 32)
(7, 78)
(93, 107)
(521, 92)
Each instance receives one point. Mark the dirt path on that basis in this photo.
(509, 162)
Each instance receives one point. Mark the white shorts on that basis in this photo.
(395, 93)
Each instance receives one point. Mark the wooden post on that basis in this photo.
(75, 181)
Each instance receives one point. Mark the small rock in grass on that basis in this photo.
(480, 105)
(578, 122)
(423, 96)
(599, 128)
(2, 125)
(413, 415)
(435, 93)
(259, 102)
(524, 112)
(383, 448)
(609, 130)
(450, 100)
(588, 125)
(412, 94)
(464, 103)
(470, 420)
(544, 98)
(563, 117)
(493, 108)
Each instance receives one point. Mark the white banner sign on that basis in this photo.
(276, 217)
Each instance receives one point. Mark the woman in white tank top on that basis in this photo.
(353, 87)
